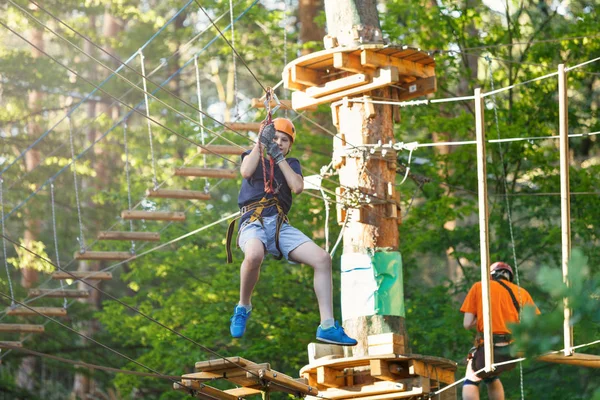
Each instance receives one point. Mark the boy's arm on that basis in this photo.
(293, 179)
(250, 162)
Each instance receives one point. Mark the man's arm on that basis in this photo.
(250, 162)
(470, 321)
(293, 179)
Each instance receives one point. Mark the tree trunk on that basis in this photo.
(309, 30)
(353, 22)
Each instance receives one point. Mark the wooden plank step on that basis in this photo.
(207, 172)
(223, 363)
(141, 236)
(579, 359)
(104, 255)
(242, 391)
(178, 194)
(21, 328)
(60, 293)
(223, 149)
(35, 311)
(83, 275)
(376, 388)
(286, 383)
(4, 343)
(154, 215)
(244, 126)
(203, 391)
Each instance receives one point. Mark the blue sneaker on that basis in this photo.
(238, 321)
(335, 335)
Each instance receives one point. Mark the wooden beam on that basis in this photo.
(417, 367)
(288, 83)
(104, 255)
(359, 391)
(338, 85)
(178, 194)
(322, 350)
(581, 360)
(35, 311)
(418, 88)
(306, 76)
(4, 344)
(70, 293)
(21, 328)
(83, 275)
(223, 363)
(285, 381)
(351, 63)
(203, 391)
(373, 59)
(223, 149)
(207, 172)
(154, 215)
(387, 370)
(386, 77)
(242, 391)
(136, 236)
(330, 377)
(244, 126)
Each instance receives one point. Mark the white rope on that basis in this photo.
(508, 213)
(201, 118)
(285, 51)
(12, 294)
(582, 64)
(128, 181)
(518, 84)
(80, 239)
(233, 56)
(341, 235)
(56, 240)
(154, 179)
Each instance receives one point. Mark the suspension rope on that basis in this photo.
(12, 293)
(285, 48)
(127, 166)
(147, 104)
(80, 239)
(201, 117)
(233, 53)
(96, 88)
(56, 240)
(508, 211)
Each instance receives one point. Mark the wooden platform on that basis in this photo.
(579, 359)
(178, 194)
(223, 149)
(21, 328)
(104, 255)
(252, 378)
(83, 275)
(330, 75)
(380, 377)
(60, 293)
(135, 236)
(207, 172)
(36, 311)
(154, 215)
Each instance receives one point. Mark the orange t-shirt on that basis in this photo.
(501, 304)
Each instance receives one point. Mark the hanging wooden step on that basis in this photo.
(21, 328)
(579, 359)
(178, 194)
(207, 172)
(83, 275)
(135, 236)
(35, 311)
(223, 149)
(154, 215)
(202, 391)
(104, 255)
(243, 126)
(60, 293)
(4, 344)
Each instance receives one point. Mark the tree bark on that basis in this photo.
(309, 31)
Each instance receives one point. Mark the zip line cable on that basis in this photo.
(94, 91)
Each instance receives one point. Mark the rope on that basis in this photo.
(201, 117)
(56, 240)
(147, 104)
(128, 182)
(285, 48)
(80, 239)
(508, 212)
(235, 82)
(96, 87)
(12, 293)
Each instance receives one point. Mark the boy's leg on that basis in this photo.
(254, 253)
(495, 390)
(311, 254)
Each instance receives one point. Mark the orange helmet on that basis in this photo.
(285, 125)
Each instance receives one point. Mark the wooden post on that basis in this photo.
(352, 22)
(483, 229)
(565, 201)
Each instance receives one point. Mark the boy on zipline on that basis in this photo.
(265, 199)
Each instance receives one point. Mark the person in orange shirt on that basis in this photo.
(507, 300)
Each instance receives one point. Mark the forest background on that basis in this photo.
(51, 111)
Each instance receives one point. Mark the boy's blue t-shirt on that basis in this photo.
(253, 189)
